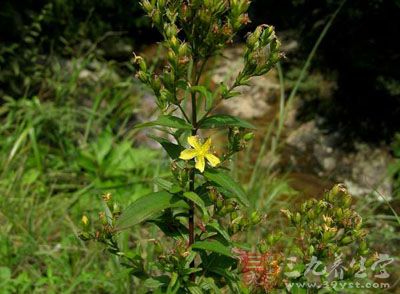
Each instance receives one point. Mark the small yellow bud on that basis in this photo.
(85, 220)
(107, 197)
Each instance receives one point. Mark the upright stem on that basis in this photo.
(192, 172)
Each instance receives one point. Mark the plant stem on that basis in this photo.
(192, 171)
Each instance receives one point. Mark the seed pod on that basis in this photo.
(347, 240)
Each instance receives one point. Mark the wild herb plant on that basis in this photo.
(200, 209)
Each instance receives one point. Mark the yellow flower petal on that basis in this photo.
(188, 154)
(194, 142)
(212, 159)
(206, 146)
(200, 163)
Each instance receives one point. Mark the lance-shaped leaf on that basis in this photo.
(226, 182)
(167, 121)
(197, 200)
(206, 93)
(223, 121)
(172, 149)
(213, 246)
(146, 207)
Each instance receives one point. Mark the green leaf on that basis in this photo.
(172, 149)
(167, 121)
(197, 200)
(214, 225)
(213, 246)
(195, 290)
(206, 93)
(224, 120)
(147, 206)
(226, 182)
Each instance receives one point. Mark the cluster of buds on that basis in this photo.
(173, 260)
(262, 53)
(241, 222)
(238, 139)
(107, 219)
(238, 221)
(326, 225)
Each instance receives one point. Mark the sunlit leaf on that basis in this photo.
(223, 121)
(213, 246)
(225, 181)
(147, 206)
(167, 121)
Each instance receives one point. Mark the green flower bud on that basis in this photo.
(161, 4)
(84, 236)
(156, 18)
(174, 43)
(347, 201)
(339, 213)
(170, 30)
(311, 214)
(370, 261)
(184, 50)
(347, 240)
(156, 84)
(248, 137)
(213, 194)
(255, 218)
(142, 76)
(297, 218)
(171, 56)
(263, 247)
(363, 248)
(147, 6)
(287, 213)
(234, 215)
(158, 248)
(220, 202)
(266, 34)
(311, 250)
(253, 38)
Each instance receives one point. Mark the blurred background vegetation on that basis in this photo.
(69, 101)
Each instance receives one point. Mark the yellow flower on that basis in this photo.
(85, 220)
(200, 153)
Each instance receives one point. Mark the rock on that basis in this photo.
(364, 170)
(257, 99)
(369, 172)
(304, 136)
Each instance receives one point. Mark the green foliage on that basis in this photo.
(201, 209)
(194, 32)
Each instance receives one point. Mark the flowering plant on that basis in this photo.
(200, 208)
